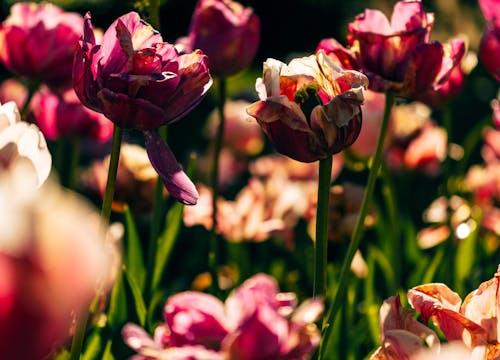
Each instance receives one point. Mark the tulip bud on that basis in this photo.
(227, 32)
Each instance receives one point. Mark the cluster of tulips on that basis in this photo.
(84, 116)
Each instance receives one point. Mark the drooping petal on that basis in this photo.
(163, 160)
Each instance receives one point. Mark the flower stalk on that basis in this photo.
(322, 209)
(213, 256)
(358, 229)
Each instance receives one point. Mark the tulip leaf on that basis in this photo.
(117, 313)
(133, 255)
(464, 259)
(140, 306)
(166, 243)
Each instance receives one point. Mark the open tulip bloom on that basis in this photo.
(397, 55)
(310, 108)
(140, 82)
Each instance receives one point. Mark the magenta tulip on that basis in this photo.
(137, 81)
(227, 32)
(63, 115)
(396, 55)
(37, 41)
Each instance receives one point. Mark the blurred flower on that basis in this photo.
(242, 134)
(401, 335)
(63, 115)
(38, 42)
(453, 86)
(416, 144)
(397, 55)
(138, 81)
(135, 179)
(270, 205)
(309, 109)
(53, 256)
(495, 106)
(22, 144)
(475, 322)
(373, 113)
(490, 43)
(256, 321)
(227, 32)
(13, 90)
(243, 139)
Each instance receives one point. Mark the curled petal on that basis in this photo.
(163, 160)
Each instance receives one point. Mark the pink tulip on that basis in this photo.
(256, 321)
(39, 40)
(396, 55)
(137, 81)
(401, 335)
(227, 32)
(62, 115)
(474, 322)
(310, 108)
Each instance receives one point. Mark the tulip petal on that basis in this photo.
(163, 160)
(407, 16)
(423, 66)
(130, 113)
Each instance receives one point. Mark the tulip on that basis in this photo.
(401, 335)
(37, 41)
(227, 32)
(490, 43)
(137, 81)
(474, 321)
(309, 109)
(13, 90)
(22, 144)
(62, 115)
(256, 321)
(396, 55)
(53, 256)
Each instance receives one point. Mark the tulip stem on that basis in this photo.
(321, 243)
(213, 256)
(113, 168)
(154, 13)
(358, 230)
(75, 157)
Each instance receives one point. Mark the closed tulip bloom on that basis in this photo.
(37, 41)
(137, 81)
(64, 115)
(227, 32)
(396, 55)
(310, 108)
(490, 42)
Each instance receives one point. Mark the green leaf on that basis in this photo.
(140, 306)
(133, 256)
(117, 313)
(166, 243)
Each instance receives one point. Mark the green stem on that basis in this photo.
(81, 323)
(358, 229)
(113, 169)
(32, 87)
(75, 157)
(213, 256)
(321, 244)
(154, 13)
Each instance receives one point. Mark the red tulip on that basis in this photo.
(490, 43)
(227, 32)
(38, 41)
(309, 108)
(397, 55)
